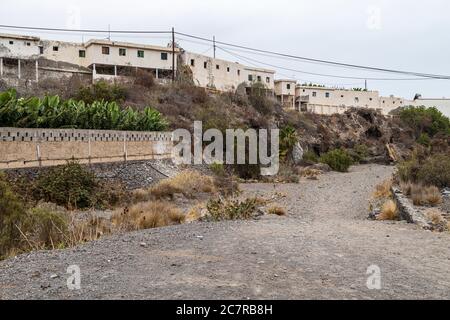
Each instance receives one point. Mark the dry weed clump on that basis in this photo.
(147, 215)
(383, 190)
(277, 210)
(389, 211)
(423, 196)
(189, 183)
(437, 220)
(229, 209)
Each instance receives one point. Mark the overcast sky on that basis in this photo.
(396, 34)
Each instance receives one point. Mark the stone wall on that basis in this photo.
(21, 148)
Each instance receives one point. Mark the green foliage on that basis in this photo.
(310, 157)
(259, 100)
(433, 170)
(101, 90)
(70, 185)
(425, 120)
(51, 112)
(221, 210)
(338, 159)
(359, 153)
(45, 228)
(288, 139)
(12, 213)
(424, 140)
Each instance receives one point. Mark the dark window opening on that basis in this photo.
(259, 78)
(239, 72)
(288, 86)
(82, 53)
(250, 77)
(140, 53)
(192, 63)
(217, 67)
(205, 64)
(11, 42)
(105, 50)
(55, 48)
(122, 52)
(228, 69)
(164, 56)
(41, 50)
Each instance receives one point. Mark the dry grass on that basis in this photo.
(277, 210)
(311, 174)
(147, 215)
(435, 216)
(196, 213)
(188, 183)
(422, 196)
(389, 211)
(383, 190)
(406, 188)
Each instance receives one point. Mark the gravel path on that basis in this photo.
(321, 250)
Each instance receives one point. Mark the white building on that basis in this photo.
(101, 58)
(224, 75)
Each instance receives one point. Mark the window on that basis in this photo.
(192, 63)
(342, 95)
(259, 78)
(250, 77)
(304, 90)
(11, 42)
(228, 69)
(122, 52)
(239, 72)
(140, 53)
(370, 99)
(356, 99)
(267, 80)
(217, 67)
(164, 56)
(288, 86)
(82, 53)
(205, 64)
(41, 50)
(105, 50)
(314, 94)
(327, 94)
(55, 48)
(28, 44)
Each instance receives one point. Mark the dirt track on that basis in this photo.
(320, 251)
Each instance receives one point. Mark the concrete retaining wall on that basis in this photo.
(23, 147)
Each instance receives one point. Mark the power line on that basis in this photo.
(319, 74)
(347, 65)
(85, 30)
(312, 60)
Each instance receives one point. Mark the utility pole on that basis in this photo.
(366, 84)
(214, 45)
(173, 55)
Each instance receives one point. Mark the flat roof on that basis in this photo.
(285, 80)
(128, 45)
(18, 37)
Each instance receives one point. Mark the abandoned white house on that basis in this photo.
(24, 57)
(224, 75)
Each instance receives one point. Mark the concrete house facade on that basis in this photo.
(285, 91)
(101, 59)
(224, 75)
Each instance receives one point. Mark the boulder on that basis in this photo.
(297, 154)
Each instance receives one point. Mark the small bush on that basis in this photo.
(310, 157)
(101, 90)
(424, 140)
(435, 171)
(147, 215)
(389, 211)
(189, 183)
(221, 210)
(70, 185)
(422, 196)
(144, 79)
(383, 190)
(359, 153)
(12, 214)
(338, 160)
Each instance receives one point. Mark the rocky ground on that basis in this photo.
(321, 250)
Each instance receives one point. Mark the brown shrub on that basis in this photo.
(422, 196)
(147, 215)
(383, 190)
(435, 216)
(389, 211)
(188, 183)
